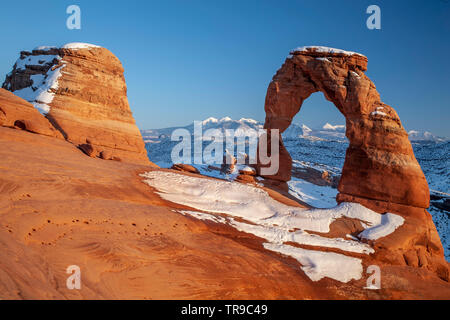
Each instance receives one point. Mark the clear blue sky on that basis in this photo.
(189, 60)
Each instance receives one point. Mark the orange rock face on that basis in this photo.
(81, 90)
(380, 163)
(18, 113)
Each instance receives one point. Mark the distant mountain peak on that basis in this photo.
(225, 119)
(210, 120)
(295, 131)
(329, 126)
(415, 135)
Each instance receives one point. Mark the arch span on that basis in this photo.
(380, 163)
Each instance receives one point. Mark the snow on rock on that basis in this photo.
(314, 195)
(319, 264)
(45, 48)
(38, 60)
(378, 113)
(325, 50)
(387, 224)
(79, 45)
(42, 91)
(277, 223)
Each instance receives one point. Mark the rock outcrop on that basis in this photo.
(185, 168)
(81, 89)
(20, 114)
(380, 163)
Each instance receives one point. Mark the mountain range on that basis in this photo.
(246, 127)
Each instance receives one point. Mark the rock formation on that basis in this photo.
(81, 89)
(380, 169)
(185, 168)
(18, 113)
(380, 163)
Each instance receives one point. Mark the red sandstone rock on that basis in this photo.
(245, 178)
(18, 113)
(380, 163)
(83, 93)
(185, 168)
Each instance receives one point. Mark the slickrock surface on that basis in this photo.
(61, 208)
(81, 90)
(380, 163)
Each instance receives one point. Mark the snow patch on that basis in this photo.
(355, 74)
(389, 223)
(39, 60)
(44, 48)
(378, 113)
(277, 223)
(319, 264)
(314, 195)
(42, 91)
(79, 45)
(325, 50)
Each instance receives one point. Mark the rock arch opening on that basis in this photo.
(316, 111)
(379, 164)
(317, 144)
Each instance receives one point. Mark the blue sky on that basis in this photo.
(189, 60)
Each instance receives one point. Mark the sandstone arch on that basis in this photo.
(380, 163)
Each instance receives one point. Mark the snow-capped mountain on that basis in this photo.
(246, 127)
(327, 132)
(241, 127)
(415, 135)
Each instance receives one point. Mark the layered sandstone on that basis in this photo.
(380, 163)
(81, 89)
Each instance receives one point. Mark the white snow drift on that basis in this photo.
(278, 223)
(42, 91)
